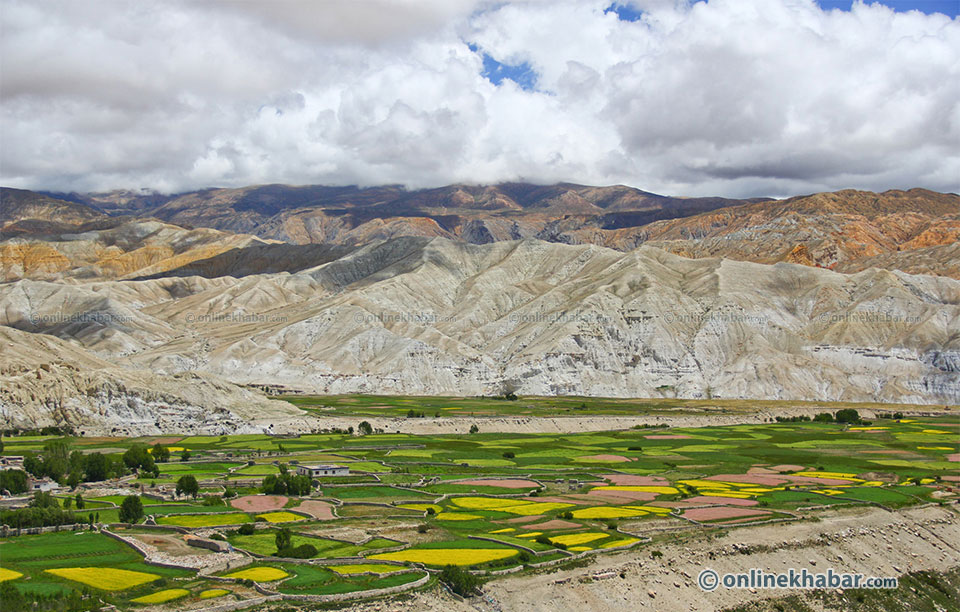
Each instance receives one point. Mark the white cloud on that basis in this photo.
(730, 97)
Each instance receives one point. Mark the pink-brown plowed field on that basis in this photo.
(730, 501)
(712, 514)
(259, 503)
(554, 524)
(317, 509)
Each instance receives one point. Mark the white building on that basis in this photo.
(317, 471)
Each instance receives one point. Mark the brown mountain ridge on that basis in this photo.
(915, 230)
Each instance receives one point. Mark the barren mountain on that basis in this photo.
(127, 250)
(434, 316)
(48, 381)
(24, 211)
(847, 230)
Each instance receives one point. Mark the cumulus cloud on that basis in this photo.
(727, 97)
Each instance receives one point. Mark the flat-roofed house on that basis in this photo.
(319, 471)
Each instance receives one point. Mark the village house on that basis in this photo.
(316, 471)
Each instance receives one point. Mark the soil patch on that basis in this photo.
(259, 503)
(317, 509)
(711, 514)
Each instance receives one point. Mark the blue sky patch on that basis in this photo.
(522, 74)
(947, 7)
(624, 12)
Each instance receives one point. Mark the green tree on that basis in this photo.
(187, 485)
(14, 481)
(823, 417)
(284, 539)
(160, 453)
(474, 429)
(185, 455)
(131, 510)
(365, 428)
(138, 458)
(96, 467)
(847, 415)
(43, 499)
(56, 458)
(80, 502)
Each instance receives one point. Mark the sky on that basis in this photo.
(734, 98)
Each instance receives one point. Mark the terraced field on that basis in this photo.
(414, 504)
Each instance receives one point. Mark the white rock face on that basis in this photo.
(430, 316)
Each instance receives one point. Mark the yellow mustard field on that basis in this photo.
(104, 578)
(280, 517)
(6, 574)
(457, 516)
(447, 556)
(576, 539)
(161, 596)
(259, 574)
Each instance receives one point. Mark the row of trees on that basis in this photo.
(71, 468)
(44, 511)
(286, 483)
(58, 462)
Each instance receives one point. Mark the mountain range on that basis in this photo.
(914, 231)
(132, 312)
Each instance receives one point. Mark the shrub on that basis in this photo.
(474, 429)
(459, 580)
(247, 529)
(304, 551)
(656, 554)
(423, 528)
(509, 455)
(823, 417)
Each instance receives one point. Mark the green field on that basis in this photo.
(356, 405)
(539, 497)
(32, 555)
